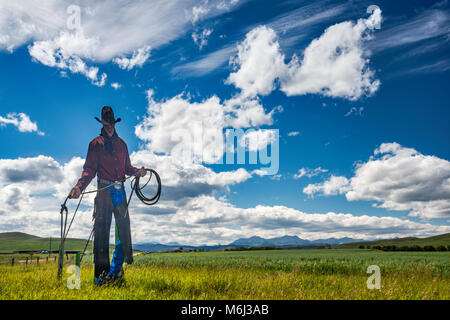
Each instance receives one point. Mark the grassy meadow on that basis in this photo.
(256, 274)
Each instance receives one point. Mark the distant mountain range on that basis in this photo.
(11, 241)
(285, 241)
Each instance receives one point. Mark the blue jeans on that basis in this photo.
(117, 260)
(108, 202)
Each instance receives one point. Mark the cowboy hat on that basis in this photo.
(107, 116)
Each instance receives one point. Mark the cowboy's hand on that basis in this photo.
(75, 193)
(143, 172)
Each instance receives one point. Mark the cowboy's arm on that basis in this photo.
(89, 171)
(129, 169)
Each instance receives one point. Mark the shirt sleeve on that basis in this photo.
(89, 168)
(129, 169)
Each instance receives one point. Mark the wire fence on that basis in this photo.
(25, 260)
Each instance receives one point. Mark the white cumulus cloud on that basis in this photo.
(335, 64)
(116, 85)
(195, 130)
(22, 121)
(397, 178)
(67, 52)
(258, 62)
(255, 140)
(334, 185)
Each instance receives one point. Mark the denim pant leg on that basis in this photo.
(117, 260)
(123, 224)
(102, 225)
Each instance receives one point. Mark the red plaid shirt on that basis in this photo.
(106, 166)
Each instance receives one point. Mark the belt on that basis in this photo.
(108, 182)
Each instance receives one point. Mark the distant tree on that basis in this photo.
(441, 248)
(429, 248)
(361, 247)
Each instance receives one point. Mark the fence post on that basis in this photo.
(77, 259)
(12, 261)
(37, 261)
(26, 262)
(47, 259)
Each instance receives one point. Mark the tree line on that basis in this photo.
(407, 248)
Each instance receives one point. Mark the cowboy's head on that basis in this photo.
(108, 120)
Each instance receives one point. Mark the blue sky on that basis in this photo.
(366, 105)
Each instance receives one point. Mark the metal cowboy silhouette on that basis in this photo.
(108, 158)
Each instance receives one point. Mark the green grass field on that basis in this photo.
(272, 274)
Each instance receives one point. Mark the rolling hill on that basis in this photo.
(15, 241)
(442, 239)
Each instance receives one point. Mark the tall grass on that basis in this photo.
(323, 261)
(296, 274)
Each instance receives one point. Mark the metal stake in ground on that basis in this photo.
(61, 246)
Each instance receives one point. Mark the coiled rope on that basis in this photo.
(138, 189)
